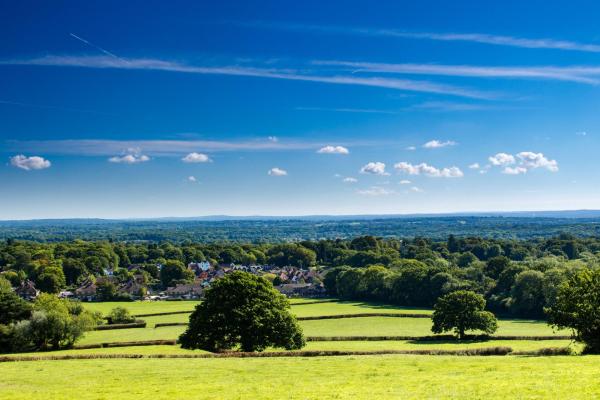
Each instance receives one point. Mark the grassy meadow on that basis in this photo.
(363, 326)
(360, 376)
(363, 377)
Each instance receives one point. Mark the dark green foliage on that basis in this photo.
(173, 271)
(496, 265)
(527, 294)
(13, 308)
(52, 280)
(577, 307)
(106, 290)
(291, 254)
(242, 310)
(462, 311)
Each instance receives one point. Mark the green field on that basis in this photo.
(143, 307)
(372, 377)
(358, 377)
(352, 307)
(364, 326)
(129, 335)
(386, 326)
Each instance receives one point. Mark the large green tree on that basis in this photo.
(462, 311)
(242, 310)
(577, 307)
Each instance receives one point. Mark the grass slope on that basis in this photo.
(366, 377)
(384, 326)
(143, 307)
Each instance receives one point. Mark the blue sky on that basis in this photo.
(294, 108)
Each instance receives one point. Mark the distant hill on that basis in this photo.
(518, 225)
(324, 217)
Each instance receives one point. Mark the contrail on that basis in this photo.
(108, 53)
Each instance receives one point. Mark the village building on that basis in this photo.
(193, 290)
(27, 290)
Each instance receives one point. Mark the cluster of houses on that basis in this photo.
(290, 281)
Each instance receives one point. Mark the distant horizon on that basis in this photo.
(219, 217)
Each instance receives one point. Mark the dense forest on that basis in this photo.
(285, 230)
(518, 277)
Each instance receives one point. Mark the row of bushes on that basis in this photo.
(431, 338)
(162, 313)
(171, 324)
(137, 324)
(484, 351)
(127, 344)
(362, 315)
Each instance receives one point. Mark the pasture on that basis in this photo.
(364, 377)
(358, 376)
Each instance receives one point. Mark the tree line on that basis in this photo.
(518, 277)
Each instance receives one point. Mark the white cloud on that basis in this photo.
(416, 189)
(129, 159)
(514, 170)
(531, 160)
(333, 150)
(436, 144)
(405, 182)
(581, 133)
(502, 159)
(191, 178)
(525, 161)
(277, 172)
(273, 139)
(374, 168)
(350, 180)
(196, 158)
(428, 170)
(474, 166)
(411, 148)
(29, 163)
(375, 191)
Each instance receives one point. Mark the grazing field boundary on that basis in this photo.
(485, 351)
(126, 344)
(363, 315)
(163, 324)
(162, 313)
(314, 302)
(431, 338)
(136, 324)
(318, 317)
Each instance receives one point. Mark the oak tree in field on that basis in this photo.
(462, 311)
(577, 307)
(242, 310)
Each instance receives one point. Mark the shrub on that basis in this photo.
(120, 315)
(54, 324)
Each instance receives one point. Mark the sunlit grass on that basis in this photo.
(364, 377)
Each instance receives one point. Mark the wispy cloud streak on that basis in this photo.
(178, 148)
(103, 62)
(574, 74)
(483, 38)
